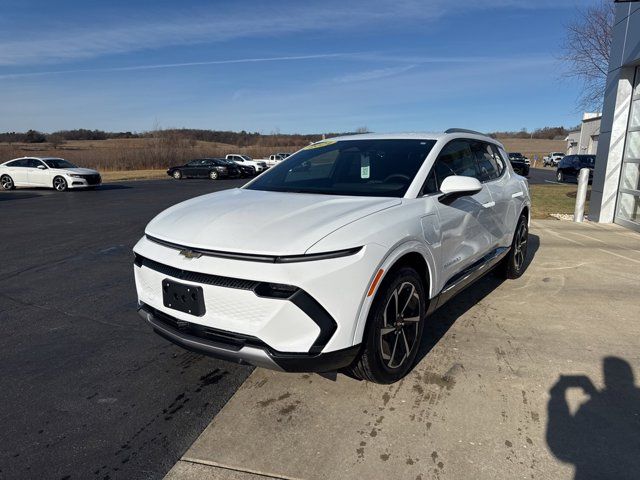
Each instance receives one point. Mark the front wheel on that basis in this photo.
(560, 176)
(60, 184)
(7, 182)
(213, 175)
(394, 329)
(177, 175)
(514, 263)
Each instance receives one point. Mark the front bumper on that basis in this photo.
(320, 317)
(242, 349)
(84, 182)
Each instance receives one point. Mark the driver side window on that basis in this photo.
(456, 158)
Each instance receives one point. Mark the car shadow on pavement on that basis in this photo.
(442, 319)
(602, 437)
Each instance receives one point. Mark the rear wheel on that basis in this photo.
(177, 175)
(60, 184)
(213, 175)
(560, 176)
(394, 329)
(6, 182)
(514, 263)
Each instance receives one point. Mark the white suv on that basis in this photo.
(337, 256)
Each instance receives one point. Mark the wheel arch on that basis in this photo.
(413, 254)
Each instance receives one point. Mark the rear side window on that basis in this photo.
(19, 163)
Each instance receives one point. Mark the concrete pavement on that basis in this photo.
(505, 368)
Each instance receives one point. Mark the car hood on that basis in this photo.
(258, 222)
(77, 171)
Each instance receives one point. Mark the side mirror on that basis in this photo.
(41, 167)
(459, 186)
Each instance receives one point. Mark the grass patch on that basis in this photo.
(133, 175)
(548, 199)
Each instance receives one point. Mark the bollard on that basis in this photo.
(581, 196)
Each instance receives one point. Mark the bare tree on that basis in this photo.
(586, 51)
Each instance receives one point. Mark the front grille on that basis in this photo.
(196, 277)
(93, 179)
(262, 164)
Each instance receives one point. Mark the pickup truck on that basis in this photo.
(519, 163)
(276, 158)
(245, 160)
(553, 159)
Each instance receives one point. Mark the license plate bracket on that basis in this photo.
(184, 298)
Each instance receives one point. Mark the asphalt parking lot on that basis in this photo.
(88, 391)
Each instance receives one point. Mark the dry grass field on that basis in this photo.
(160, 153)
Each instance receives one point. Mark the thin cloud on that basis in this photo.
(72, 43)
(178, 65)
(372, 74)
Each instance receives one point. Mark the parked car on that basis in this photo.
(49, 172)
(245, 170)
(246, 160)
(337, 257)
(570, 166)
(553, 159)
(519, 163)
(213, 168)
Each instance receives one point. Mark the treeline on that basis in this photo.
(546, 133)
(241, 139)
(34, 136)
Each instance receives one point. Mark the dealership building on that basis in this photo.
(615, 195)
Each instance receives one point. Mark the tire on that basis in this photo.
(60, 184)
(384, 357)
(514, 263)
(177, 174)
(6, 182)
(213, 175)
(560, 176)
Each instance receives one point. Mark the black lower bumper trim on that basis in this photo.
(242, 349)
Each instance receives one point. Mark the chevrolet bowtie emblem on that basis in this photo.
(190, 253)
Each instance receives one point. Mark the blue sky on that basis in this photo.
(288, 66)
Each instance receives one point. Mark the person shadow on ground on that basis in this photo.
(602, 438)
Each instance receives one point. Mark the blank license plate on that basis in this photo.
(184, 298)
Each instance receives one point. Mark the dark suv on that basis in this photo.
(213, 168)
(519, 164)
(569, 167)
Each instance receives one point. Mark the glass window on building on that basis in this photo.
(628, 207)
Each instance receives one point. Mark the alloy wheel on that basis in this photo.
(399, 332)
(6, 182)
(60, 184)
(520, 246)
(213, 175)
(177, 175)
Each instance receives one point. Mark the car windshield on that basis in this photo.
(59, 163)
(246, 158)
(377, 168)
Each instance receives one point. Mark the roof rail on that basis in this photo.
(464, 130)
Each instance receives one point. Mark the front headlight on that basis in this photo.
(74, 175)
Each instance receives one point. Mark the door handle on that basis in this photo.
(489, 204)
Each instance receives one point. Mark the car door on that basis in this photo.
(191, 169)
(39, 174)
(495, 175)
(17, 170)
(467, 223)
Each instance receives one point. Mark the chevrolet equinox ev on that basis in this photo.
(335, 258)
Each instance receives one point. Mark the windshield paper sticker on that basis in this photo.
(365, 168)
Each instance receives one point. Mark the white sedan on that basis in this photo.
(46, 172)
(338, 256)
